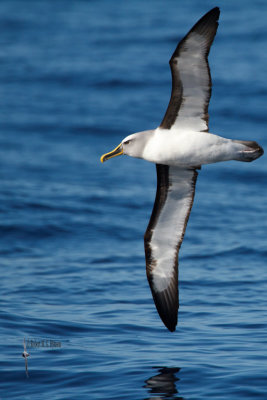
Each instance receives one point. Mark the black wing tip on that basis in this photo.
(168, 312)
(212, 15)
(206, 25)
(209, 19)
(170, 321)
(171, 327)
(167, 305)
(215, 11)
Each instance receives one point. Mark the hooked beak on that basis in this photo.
(116, 152)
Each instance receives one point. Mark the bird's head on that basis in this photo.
(133, 146)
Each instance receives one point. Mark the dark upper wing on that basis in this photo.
(164, 235)
(191, 81)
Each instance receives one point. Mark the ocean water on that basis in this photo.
(76, 77)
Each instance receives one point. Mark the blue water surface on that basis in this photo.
(76, 77)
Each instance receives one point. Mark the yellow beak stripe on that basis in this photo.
(116, 152)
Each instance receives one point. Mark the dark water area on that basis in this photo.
(76, 77)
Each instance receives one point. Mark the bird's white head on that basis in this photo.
(133, 146)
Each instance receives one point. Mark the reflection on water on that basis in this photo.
(163, 384)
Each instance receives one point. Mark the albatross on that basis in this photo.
(178, 147)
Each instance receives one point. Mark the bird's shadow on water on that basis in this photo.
(163, 384)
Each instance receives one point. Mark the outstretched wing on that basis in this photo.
(164, 236)
(191, 80)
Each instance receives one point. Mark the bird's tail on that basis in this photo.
(248, 151)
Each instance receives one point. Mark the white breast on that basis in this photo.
(187, 148)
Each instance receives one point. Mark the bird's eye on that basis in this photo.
(126, 142)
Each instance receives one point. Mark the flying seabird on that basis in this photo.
(178, 147)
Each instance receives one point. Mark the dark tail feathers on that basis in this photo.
(251, 152)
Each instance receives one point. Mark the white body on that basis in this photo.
(183, 148)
